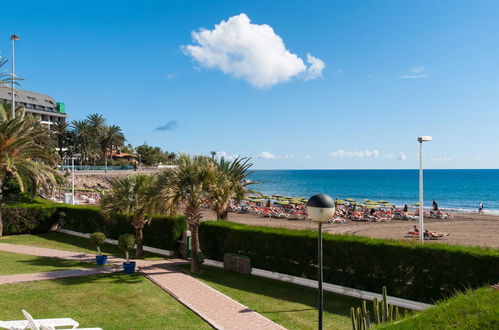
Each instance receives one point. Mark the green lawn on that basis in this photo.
(111, 301)
(476, 309)
(55, 240)
(14, 263)
(289, 305)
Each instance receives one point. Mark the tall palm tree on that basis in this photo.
(188, 185)
(230, 183)
(96, 122)
(132, 196)
(60, 131)
(111, 136)
(86, 143)
(26, 154)
(5, 77)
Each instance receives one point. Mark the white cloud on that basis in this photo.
(400, 156)
(353, 154)
(316, 66)
(268, 155)
(441, 159)
(253, 52)
(226, 155)
(417, 72)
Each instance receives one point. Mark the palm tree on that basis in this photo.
(60, 131)
(85, 141)
(111, 136)
(5, 78)
(230, 183)
(133, 196)
(188, 184)
(26, 154)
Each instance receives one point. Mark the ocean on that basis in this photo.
(459, 190)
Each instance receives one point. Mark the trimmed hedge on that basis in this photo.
(162, 232)
(419, 272)
(28, 218)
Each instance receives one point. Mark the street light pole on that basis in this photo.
(421, 139)
(320, 209)
(13, 38)
(320, 273)
(73, 180)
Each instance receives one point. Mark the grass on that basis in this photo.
(475, 309)
(60, 241)
(112, 301)
(287, 304)
(14, 263)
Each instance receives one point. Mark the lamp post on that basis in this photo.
(13, 38)
(73, 177)
(320, 209)
(421, 139)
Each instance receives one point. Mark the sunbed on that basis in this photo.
(41, 324)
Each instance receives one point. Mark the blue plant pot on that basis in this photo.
(101, 260)
(129, 268)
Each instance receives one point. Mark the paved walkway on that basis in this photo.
(219, 310)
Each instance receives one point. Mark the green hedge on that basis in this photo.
(162, 232)
(418, 272)
(28, 218)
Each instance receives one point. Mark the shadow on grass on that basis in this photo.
(57, 263)
(134, 278)
(50, 240)
(335, 304)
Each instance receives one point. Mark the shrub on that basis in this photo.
(419, 272)
(20, 218)
(98, 239)
(126, 242)
(162, 232)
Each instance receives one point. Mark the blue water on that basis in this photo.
(455, 189)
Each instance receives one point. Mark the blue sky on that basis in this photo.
(394, 70)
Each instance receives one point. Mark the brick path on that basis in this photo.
(219, 310)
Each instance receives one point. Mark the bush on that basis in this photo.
(126, 242)
(22, 218)
(162, 232)
(418, 272)
(98, 239)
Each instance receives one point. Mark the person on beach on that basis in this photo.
(480, 208)
(435, 206)
(405, 208)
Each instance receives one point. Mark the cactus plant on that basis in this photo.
(382, 310)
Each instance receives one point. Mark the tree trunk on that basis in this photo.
(195, 248)
(223, 215)
(139, 238)
(1, 208)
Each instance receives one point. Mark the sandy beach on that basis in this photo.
(464, 229)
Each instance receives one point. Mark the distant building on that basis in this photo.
(42, 106)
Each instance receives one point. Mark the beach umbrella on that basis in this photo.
(340, 202)
(372, 203)
(382, 202)
(366, 200)
(358, 204)
(370, 207)
(350, 200)
(416, 204)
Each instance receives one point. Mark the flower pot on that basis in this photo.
(129, 268)
(101, 260)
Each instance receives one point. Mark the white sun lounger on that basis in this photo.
(41, 324)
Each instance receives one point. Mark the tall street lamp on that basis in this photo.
(421, 139)
(320, 209)
(73, 177)
(13, 38)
